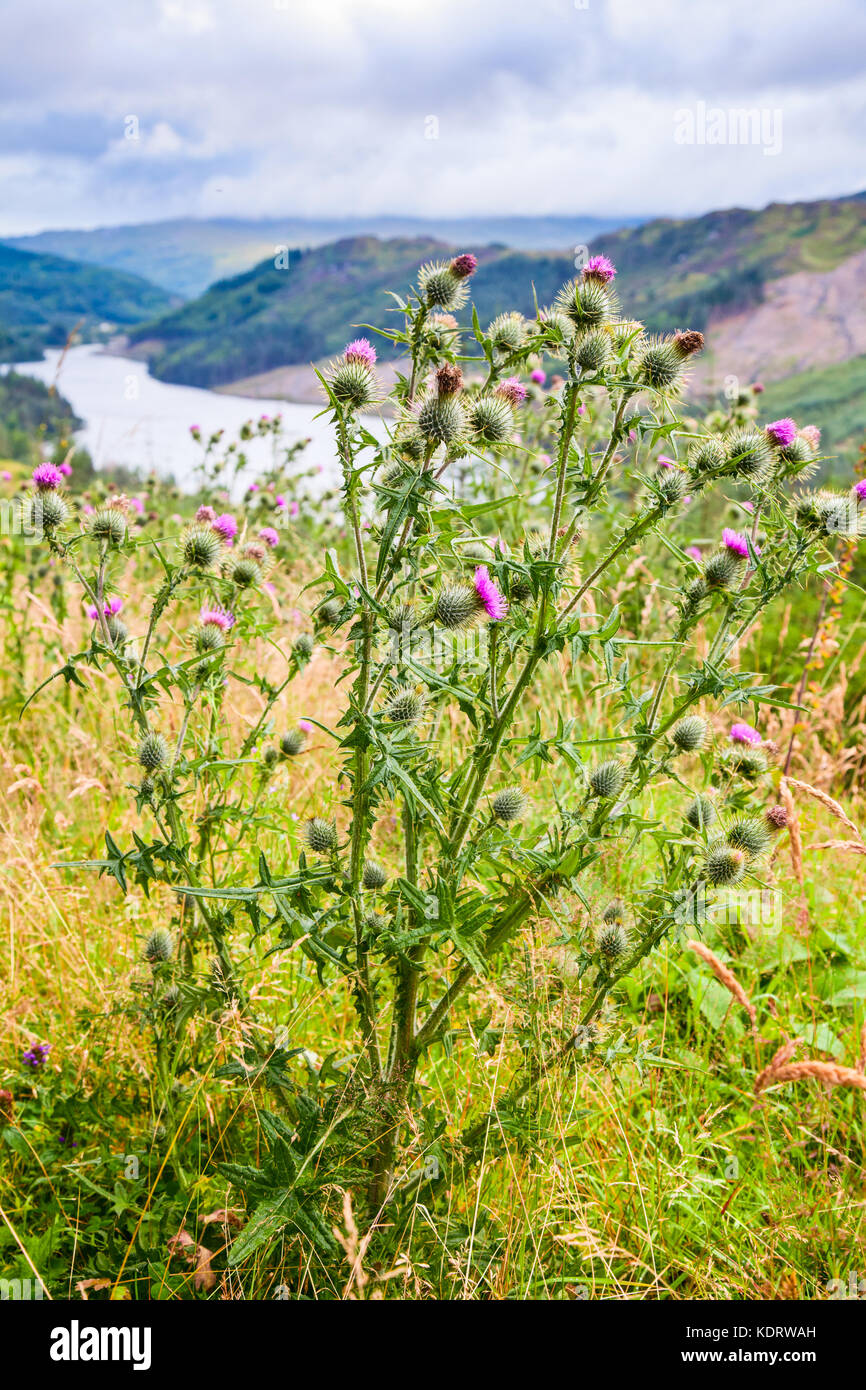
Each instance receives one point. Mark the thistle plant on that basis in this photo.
(487, 522)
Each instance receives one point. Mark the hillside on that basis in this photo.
(702, 272)
(42, 298)
(187, 255)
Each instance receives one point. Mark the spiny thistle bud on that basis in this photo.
(611, 940)
(328, 613)
(507, 333)
(292, 742)
(153, 752)
(690, 733)
(615, 911)
(585, 304)
(321, 835)
(606, 780)
(170, 997)
(270, 757)
(709, 456)
(686, 343)
(671, 484)
(721, 569)
(146, 788)
(724, 865)
(449, 379)
(701, 813)
(405, 706)
(694, 593)
(592, 352)
(749, 454)
(243, 572)
(303, 645)
(745, 760)
(519, 589)
(798, 452)
(159, 946)
(52, 510)
(826, 513)
(440, 287)
(374, 875)
(491, 419)
(456, 606)
(402, 618)
(353, 384)
(409, 445)
(776, 818)
(509, 804)
(108, 524)
(200, 547)
(207, 637)
(440, 419)
(660, 364)
(750, 835)
(117, 630)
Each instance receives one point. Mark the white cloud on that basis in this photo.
(318, 107)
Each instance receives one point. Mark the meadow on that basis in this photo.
(451, 887)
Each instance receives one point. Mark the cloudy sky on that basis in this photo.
(147, 109)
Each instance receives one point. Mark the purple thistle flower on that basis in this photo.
(225, 526)
(305, 725)
(492, 601)
(694, 553)
(782, 432)
(66, 468)
(666, 462)
(599, 268)
(464, 265)
(860, 488)
(732, 540)
(111, 606)
(538, 376)
(362, 352)
(47, 477)
(812, 436)
(279, 500)
(205, 514)
(269, 536)
(512, 390)
(744, 733)
(217, 617)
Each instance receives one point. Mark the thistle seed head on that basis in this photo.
(321, 835)
(749, 454)
(440, 287)
(687, 342)
(776, 818)
(746, 761)
(449, 379)
(690, 734)
(353, 384)
(243, 572)
(721, 569)
(615, 911)
(709, 456)
(153, 752)
(374, 875)
(606, 780)
(303, 645)
(328, 612)
(52, 509)
(509, 804)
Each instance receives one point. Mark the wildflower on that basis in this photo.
(200, 546)
(37, 1055)
(225, 526)
(456, 606)
(269, 536)
(507, 332)
(374, 875)
(306, 726)
(757, 388)
(606, 780)
(321, 835)
(776, 818)
(600, 269)
(611, 941)
(110, 608)
(159, 946)
(724, 865)
(693, 553)
(750, 835)
(509, 804)
(492, 600)
(66, 469)
(491, 419)
(47, 477)
(293, 742)
(206, 513)
(538, 376)
(701, 813)
(733, 541)
(405, 706)
(464, 265)
(666, 462)
(153, 752)
(218, 617)
(593, 351)
(584, 304)
(749, 454)
(860, 488)
(690, 734)
(362, 352)
(660, 364)
(108, 524)
(441, 286)
(512, 390)
(440, 419)
(744, 733)
(687, 343)
(294, 509)
(812, 436)
(782, 432)
(708, 456)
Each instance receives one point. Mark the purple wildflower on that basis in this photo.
(512, 390)
(66, 469)
(666, 462)
(269, 536)
(732, 540)
(782, 432)
(538, 376)
(860, 488)
(693, 553)
(812, 436)
(205, 514)
(305, 725)
(744, 733)
(112, 606)
(225, 526)
(488, 592)
(599, 268)
(217, 617)
(362, 352)
(47, 477)
(464, 265)
(37, 1055)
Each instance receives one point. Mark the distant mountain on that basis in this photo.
(724, 271)
(42, 298)
(188, 255)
